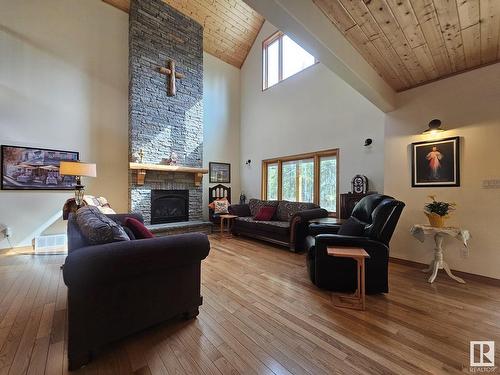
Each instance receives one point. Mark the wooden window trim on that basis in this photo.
(278, 35)
(316, 156)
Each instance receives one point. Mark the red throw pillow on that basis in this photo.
(139, 229)
(265, 213)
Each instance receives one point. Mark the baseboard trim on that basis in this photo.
(465, 275)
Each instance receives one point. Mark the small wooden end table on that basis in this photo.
(356, 301)
(229, 219)
(327, 220)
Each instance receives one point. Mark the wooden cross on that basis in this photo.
(171, 74)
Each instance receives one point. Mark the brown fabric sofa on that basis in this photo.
(288, 227)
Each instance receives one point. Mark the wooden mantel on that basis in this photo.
(143, 168)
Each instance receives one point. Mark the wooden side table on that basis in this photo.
(356, 301)
(229, 219)
(419, 231)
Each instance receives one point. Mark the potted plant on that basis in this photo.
(437, 212)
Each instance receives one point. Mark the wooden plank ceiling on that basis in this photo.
(411, 42)
(230, 26)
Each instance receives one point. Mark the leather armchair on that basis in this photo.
(379, 214)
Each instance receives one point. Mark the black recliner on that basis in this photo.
(379, 214)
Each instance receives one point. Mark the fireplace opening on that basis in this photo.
(169, 206)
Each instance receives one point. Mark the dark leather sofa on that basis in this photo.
(378, 216)
(288, 227)
(120, 288)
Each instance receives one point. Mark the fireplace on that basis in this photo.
(169, 206)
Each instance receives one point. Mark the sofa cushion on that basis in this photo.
(274, 227)
(352, 227)
(256, 204)
(266, 213)
(139, 229)
(287, 209)
(97, 228)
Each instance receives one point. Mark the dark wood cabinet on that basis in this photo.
(348, 201)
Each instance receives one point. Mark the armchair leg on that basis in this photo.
(77, 360)
(191, 314)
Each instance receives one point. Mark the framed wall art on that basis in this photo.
(436, 163)
(28, 168)
(219, 172)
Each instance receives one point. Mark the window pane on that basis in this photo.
(295, 58)
(328, 183)
(273, 63)
(272, 181)
(306, 180)
(289, 181)
(298, 180)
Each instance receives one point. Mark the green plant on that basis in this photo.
(439, 208)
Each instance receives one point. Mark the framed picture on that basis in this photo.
(28, 168)
(219, 172)
(436, 163)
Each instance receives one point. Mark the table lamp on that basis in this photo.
(79, 170)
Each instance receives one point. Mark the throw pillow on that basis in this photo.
(266, 213)
(129, 232)
(221, 206)
(212, 205)
(97, 228)
(352, 227)
(256, 204)
(138, 229)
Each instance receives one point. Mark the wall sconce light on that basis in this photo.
(368, 142)
(248, 162)
(434, 127)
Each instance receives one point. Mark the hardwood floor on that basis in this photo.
(261, 315)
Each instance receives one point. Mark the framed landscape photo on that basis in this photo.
(28, 168)
(436, 163)
(219, 172)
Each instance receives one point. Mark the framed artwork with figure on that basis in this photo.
(436, 163)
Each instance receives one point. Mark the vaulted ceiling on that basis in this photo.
(411, 42)
(230, 26)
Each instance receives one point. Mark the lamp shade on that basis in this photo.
(76, 168)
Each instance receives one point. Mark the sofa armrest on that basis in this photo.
(299, 226)
(306, 215)
(240, 210)
(97, 265)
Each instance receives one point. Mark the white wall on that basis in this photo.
(63, 85)
(468, 105)
(221, 128)
(311, 111)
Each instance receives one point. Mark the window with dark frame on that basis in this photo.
(311, 177)
(282, 58)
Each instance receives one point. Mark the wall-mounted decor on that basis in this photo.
(27, 168)
(436, 163)
(220, 172)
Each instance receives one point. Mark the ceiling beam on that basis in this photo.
(120, 4)
(308, 26)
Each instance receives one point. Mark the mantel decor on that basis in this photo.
(436, 163)
(143, 168)
(29, 168)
